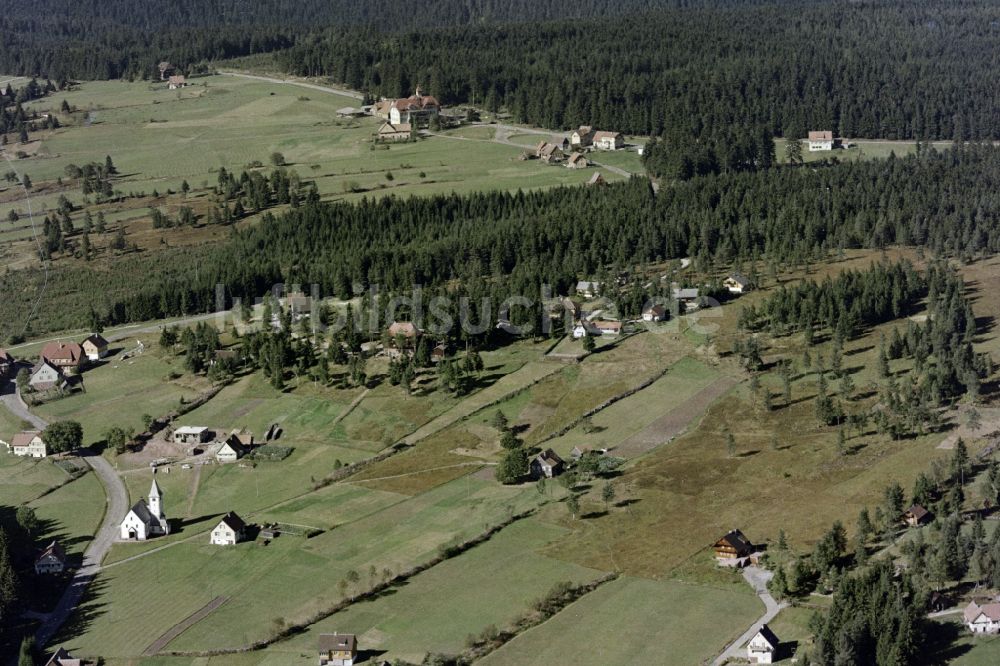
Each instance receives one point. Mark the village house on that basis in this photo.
(95, 347)
(588, 289)
(407, 329)
(67, 356)
(608, 140)
(192, 435)
(596, 179)
(7, 364)
(737, 283)
(983, 619)
(579, 452)
(596, 327)
(577, 161)
(395, 132)
(687, 296)
(439, 353)
(546, 464)
(550, 153)
(416, 109)
(63, 658)
(916, 516)
(52, 560)
(176, 81)
(582, 137)
(229, 532)
(337, 649)
(822, 140)
(29, 443)
(146, 518)
(939, 602)
(237, 445)
(45, 377)
(654, 313)
(733, 546)
(763, 647)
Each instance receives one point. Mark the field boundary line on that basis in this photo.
(350, 407)
(182, 626)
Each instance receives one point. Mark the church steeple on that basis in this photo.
(155, 495)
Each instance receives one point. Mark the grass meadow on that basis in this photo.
(636, 621)
(72, 513)
(24, 479)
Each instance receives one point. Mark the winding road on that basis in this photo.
(117, 501)
(757, 578)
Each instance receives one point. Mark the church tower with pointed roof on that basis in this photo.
(155, 501)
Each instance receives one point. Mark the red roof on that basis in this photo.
(417, 103)
(825, 135)
(62, 351)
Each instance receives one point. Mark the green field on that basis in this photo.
(72, 513)
(864, 149)
(636, 621)
(158, 138)
(437, 609)
(23, 479)
(120, 392)
(292, 578)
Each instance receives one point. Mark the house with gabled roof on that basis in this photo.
(95, 347)
(337, 649)
(547, 464)
(46, 377)
(176, 81)
(63, 658)
(229, 532)
(655, 312)
(67, 356)
(51, 560)
(550, 153)
(583, 137)
(732, 546)
(577, 161)
(237, 445)
(415, 109)
(916, 515)
(821, 140)
(28, 443)
(763, 647)
(983, 619)
(737, 283)
(608, 140)
(395, 132)
(596, 179)
(146, 518)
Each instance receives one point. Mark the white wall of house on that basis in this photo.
(133, 529)
(223, 535)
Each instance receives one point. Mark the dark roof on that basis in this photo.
(735, 539)
(769, 636)
(5, 356)
(60, 657)
(337, 642)
(142, 510)
(55, 550)
(97, 340)
(549, 457)
(234, 522)
(918, 512)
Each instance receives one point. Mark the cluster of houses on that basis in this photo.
(403, 116)
(59, 362)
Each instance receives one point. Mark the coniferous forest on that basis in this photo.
(891, 69)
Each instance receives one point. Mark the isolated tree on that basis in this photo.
(608, 494)
(730, 444)
(513, 466)
(793, 151)
(588, 343)
(573, 505)
(27, 520)
(117, 438)
(277, 159)
(499, 421)
(63, 436)
(509, 440)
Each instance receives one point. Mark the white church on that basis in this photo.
(146, 519)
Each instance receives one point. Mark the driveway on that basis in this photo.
(757, 578)
(117, 502)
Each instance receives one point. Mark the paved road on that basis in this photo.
(117, 501)
(301, 84)
(757, 578)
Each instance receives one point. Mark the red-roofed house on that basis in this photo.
(983, 619)
(415, 109)
(820, 141)
(63, 355)
(28, 443)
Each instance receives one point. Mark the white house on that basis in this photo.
(52, 559)
(737, 283)
(63, 658)
(582, 137)
(763, 646)
(45, 377)
(28, 443)
(229, 532)
(608, 140)
(654, 313)
(820, 141)
(235, 447)
(416, 109)
(95, 347)
(983, 619)
(145, 520)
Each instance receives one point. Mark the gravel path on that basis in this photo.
(757, 578)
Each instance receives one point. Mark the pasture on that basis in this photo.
(437, 609)
(24, 479)
(635, 621)
(293, 578)
(72, 513)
